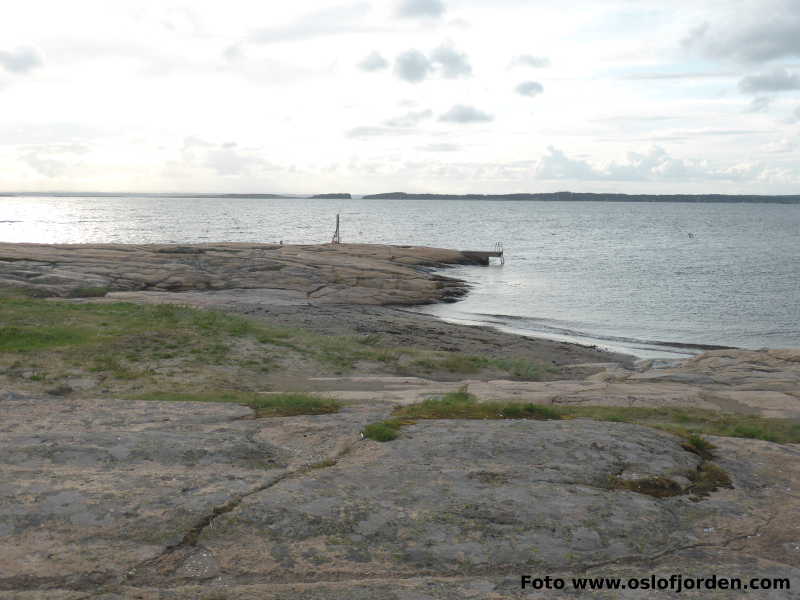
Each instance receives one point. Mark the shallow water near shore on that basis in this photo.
(647, 279)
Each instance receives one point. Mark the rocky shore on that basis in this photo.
(112, 498)
(325, 273)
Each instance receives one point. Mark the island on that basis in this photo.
(331, 196)
(593, 197)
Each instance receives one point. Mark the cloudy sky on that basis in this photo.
(418, 95)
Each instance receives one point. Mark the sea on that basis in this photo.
(656, 280)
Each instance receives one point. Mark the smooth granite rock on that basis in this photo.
(326, 273)
(117, 499)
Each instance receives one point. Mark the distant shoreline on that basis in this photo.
(521, 197)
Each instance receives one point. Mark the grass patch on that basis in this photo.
(755, 431)
(265, 405)
(88, 292)
(463, 405)
(118, 349)
(657, 487)
(343, 352)
(691, 423)
(529, 411)
(372, 339)
(521, 368)
(460, 363)
(290, 404)
(28, 338)
(465, 364)
(700, 446)
(125, 347)
(708, 478)
(384, 431)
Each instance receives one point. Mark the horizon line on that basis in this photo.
(88, 193)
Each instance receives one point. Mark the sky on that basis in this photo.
(441, 96)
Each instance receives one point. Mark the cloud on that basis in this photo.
(759, 104)
(440, 148)
(683, 135)
(780, 146)
(52, 160)
(453, 63)
(420, 8)
(654, 165)
(528, 60)
(557, 165)
(369, 131)
(410, 119)
(48, 133)
(717, 132)
(228, 161)
(767, 31)
(21, 60)
(412, 66)
(696, 36)
(683, 75)
(777, 80)
(233, 53)
(225, 159)
(465, 114)
(797, 113)
(373, 62)
(329, 21)
(529, 88)
(401, 125)
(49, 167)
(626, 118)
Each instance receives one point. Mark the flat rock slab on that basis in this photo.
(464, 497)
(624, 389)
(324, 273)
(775, 370)
(148, 500)
(92, 488)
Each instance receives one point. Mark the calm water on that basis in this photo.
(623, 275)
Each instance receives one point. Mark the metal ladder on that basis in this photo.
(498, 247)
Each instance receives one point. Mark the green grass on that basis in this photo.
(343, 352)
(688, 422)
(452, 363)
(384, 431)
(463, 405)
(112, 366)
(88, 292)
(290, 404)
(756, 431)
(708, 477)
(125, 347)
(657, 487)
(522, 369)
(466, 364)
(24, 338)
(700, 446)
(265, 405)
